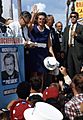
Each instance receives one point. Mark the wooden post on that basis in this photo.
(19, 7)
(67, 17)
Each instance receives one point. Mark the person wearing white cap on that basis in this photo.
(43, 111)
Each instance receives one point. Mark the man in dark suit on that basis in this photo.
(73, 45)
(59, 27)
(60, 54)
(53, 35)
(55, 46)
(9, 73)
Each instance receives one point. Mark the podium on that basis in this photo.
(11, 68)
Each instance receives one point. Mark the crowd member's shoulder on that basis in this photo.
(17, 109)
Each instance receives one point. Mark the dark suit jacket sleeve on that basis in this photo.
(79, 31)
(65, 40)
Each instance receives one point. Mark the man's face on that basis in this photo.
(9, 65)
(24, 21)
(59, 27)
(73, 18)
(50, 21)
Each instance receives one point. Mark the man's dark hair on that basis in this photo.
(78, 82)
(73, 12)
(57, 23)
(35, 98)
(36, 83)
(8, 55)
(23, 90)
(49, 15)
(25, 14)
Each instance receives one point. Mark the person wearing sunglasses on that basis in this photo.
(73, 45)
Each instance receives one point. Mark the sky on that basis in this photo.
(58, 8)
(55, 7)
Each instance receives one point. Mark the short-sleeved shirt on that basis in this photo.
(72, 108)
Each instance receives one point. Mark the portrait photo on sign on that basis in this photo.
(9, 66)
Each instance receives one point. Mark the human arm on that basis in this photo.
(50, 46)
(65, 40)
(33, 15)
(81, 107)
(66, 76)
(78, 34)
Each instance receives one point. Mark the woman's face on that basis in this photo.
(41, 20)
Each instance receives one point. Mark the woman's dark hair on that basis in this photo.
(78, 82)
(38, 14)
(42, 13)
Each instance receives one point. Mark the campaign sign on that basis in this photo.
(11, 68)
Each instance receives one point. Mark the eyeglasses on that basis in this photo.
(73, 16)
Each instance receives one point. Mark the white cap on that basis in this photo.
(51, 63)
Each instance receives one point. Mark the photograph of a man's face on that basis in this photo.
(9, 69)
(9, 62)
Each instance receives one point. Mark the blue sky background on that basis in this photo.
(55, 7)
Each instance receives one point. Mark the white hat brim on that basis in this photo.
(28, 115)
(45, 64)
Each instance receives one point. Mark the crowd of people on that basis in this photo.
(45, 95)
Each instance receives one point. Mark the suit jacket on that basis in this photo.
(5, 75)
(78, 43)
(55, 40)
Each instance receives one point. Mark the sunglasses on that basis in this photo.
(73, 16)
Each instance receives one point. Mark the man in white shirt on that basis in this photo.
(20, 28)
(73, 45)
